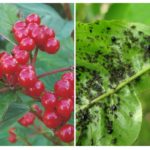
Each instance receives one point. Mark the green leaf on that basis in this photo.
(12, 114)
(92, 12)
(5, 100)
(111, 57)
(130, 12)
(8, 13)
(50, 17)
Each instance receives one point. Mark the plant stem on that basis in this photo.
(34, 57)
(3, 90)
(8, 39)
(55, 71)
(67, 11)
(112, 91)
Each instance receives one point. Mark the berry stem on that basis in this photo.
(67, 11)
(55, 71)
(34, 57)
(6, 38)
(3, 90)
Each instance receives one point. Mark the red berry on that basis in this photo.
(36, 90)
(38, 35)
(18, 26)
(21, 56)
(27, 77)
(12, 138)
(27, 119)
(65, 107)
(49, 33)
(33, 18)
(3, 53)
(12, 79)
(27, 44)
(52, 46)
(49, 100)
(9, 65)
(37, 109)
(20, 34)
(63, 88)
(66, 133)
(11, 130)
(51, 119)
(31, 27)
(69, 76)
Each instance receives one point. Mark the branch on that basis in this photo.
(3, 90)
(8, 39)
(34, 57)
(67, 11)
(55, 71)
(112, 91)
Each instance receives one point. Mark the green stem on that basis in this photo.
(112, 91)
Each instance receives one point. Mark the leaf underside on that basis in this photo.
(109, 52)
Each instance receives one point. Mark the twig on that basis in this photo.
(6, 38)
(67, 11)
(55, 71)
(34, 57)
(3, 90)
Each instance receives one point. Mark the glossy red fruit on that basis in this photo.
(2, 54)
(52, 46)
(65, 107)
(69, 76)
(27, 77)
(27, 119)
(38, 35)
(66, 133)
(21, 56)
(62, 88)
(36, 90)
(12, 138)
(27, 44)
(37, 109)
(49, 33)
(18, 26)
(51, 119)
(11, 130)
(33, 18)
(31, 27)
(11, 79)
(49, 100)
(20, 34)
(9, 65)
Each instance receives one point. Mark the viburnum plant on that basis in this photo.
(18, 73)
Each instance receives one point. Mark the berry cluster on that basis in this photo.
(17, 71)
(30, 34)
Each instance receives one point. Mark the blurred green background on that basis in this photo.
(132, 13)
